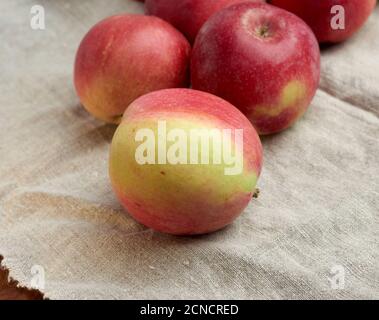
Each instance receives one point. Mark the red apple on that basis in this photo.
(262, 59)
(188, 16)
(319, 14)
(124, 57)
(173, 182)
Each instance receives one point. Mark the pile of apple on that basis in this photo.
(251, 65)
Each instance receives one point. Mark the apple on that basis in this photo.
(324, 17)
(126, 56)
(188, 16)
(262, 59)
(184, 162)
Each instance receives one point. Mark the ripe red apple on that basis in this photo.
(319, 14)
(262, 59)
(165, 169)
(126, 56)
(188, 16)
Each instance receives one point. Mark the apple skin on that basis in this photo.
(317, 14)
(262, 59)
(188, 16)
(126, 56)
(183, 199)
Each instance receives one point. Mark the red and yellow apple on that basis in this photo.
(319, 15)
(262, 59)
(124, 57)
(188, 16)
(173, 180)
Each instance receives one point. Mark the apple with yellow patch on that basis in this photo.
(126, 56)
(184, 162)
(262, 59)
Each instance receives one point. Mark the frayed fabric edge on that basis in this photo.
(10, 289)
